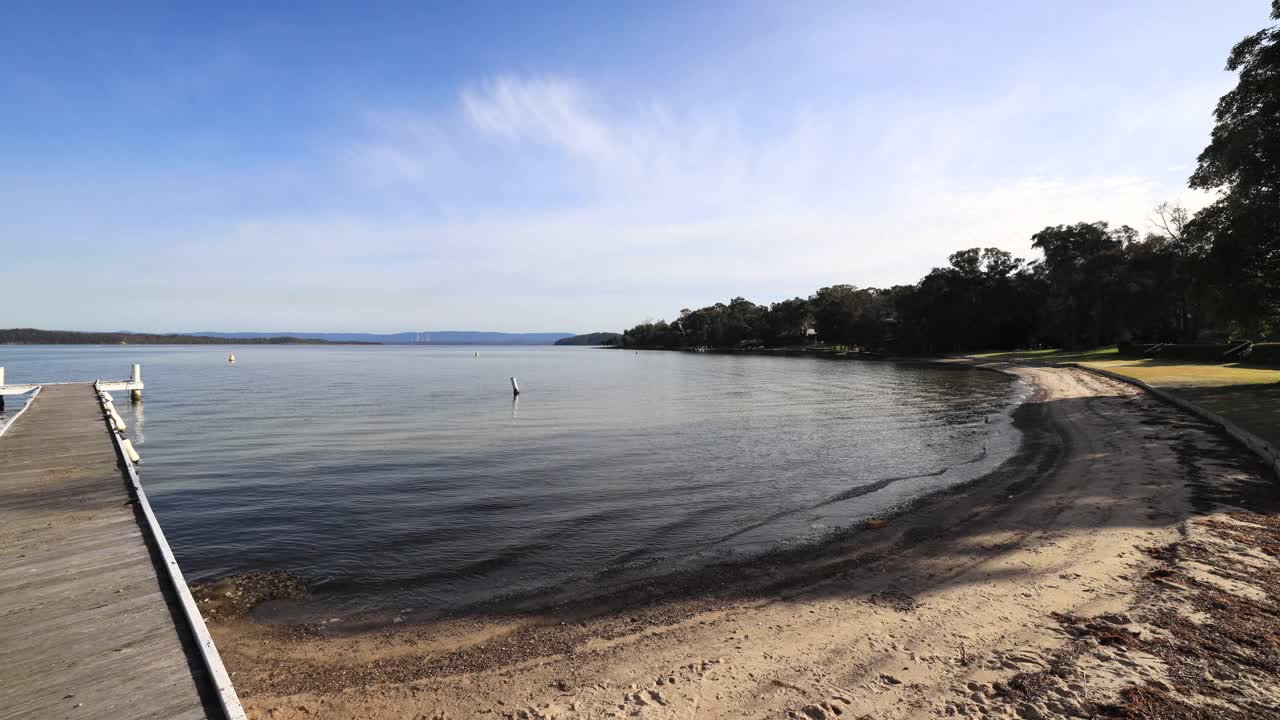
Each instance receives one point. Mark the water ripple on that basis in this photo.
(407, 477)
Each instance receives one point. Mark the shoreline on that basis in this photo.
(887, 620)
(669, 577)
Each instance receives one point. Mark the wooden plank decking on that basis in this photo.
(89, 625)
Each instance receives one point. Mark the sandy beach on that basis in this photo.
(1123, 564)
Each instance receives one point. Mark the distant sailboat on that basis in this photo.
(231, 358)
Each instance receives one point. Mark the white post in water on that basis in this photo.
(515, 388)
(136, 395)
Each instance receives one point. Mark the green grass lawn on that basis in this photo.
(1175, 374)
(1053, 355)
(1248, 395)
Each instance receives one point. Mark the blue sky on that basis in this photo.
(505, 166)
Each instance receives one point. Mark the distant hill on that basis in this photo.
(31, 336)
(451, 337)
(596, 338)
(384, 339)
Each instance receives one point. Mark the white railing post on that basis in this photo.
(135, 394)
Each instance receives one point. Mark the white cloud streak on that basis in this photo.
(539, 202)
(872, 195)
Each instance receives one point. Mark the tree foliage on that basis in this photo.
(1095, 285)
(1242, 160)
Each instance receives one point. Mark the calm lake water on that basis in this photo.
(406, 477)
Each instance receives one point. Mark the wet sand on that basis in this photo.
(1123, 564)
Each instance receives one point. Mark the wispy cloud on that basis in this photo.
(687, 199)
(547, 203)
(572, 168)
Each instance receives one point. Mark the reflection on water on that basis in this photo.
(401, 477)
(13, 405)
(137, 427)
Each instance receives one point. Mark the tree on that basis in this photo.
(848, 315)
(1083, 266)
(984, 298)
(1243, 161)
(1170, 221)
(743, 321)
(1155, 305)
(787, 322)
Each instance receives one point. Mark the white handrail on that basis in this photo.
(6, 425)
(226, 692)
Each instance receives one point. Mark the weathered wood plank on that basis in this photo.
(88, 629)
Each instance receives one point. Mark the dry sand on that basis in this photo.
(1124, 564)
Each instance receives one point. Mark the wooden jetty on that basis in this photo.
(95, 618)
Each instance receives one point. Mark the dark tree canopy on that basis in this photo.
(1083, 264)
(1095, 285)
(1243, 161)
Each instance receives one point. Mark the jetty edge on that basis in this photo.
(98, 621)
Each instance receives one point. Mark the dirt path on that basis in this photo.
(1124, 564)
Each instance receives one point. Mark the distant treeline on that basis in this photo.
(30, 336)
(448, 337)
(1211, 276)
(597, 338)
